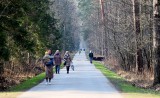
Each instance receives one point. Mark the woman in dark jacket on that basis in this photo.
(57, 61)
(68, 60)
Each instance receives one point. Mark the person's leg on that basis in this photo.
(58, 69)
(67, 67)
(46, 70)
(46, 79)
(49, 79)
(90, 60)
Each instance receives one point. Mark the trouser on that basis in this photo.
(67, 68)
(57, 69)
(48, 79)
(91, 60)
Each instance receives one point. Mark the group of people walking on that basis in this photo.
(50, 60)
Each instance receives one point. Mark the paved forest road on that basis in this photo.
(85, 82)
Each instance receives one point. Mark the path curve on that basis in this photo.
(85, 82)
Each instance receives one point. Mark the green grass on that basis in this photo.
(14, 91)
(122, 85)
(28, 83)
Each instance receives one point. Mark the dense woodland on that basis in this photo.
(126, 33)
(27, 29)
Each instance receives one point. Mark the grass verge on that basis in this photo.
(127, 89)
(28, 83)
(18, 89)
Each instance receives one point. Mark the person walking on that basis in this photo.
(67, 59)
(91, 56)
(48, 63)
(57, 61)
(79, 51)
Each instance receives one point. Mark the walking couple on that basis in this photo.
(67, 60)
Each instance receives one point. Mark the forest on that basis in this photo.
(125, 32)
(27, 29)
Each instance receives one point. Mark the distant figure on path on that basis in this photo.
(48, 63)
(57, 61)
(68, 60)
(79, 51)
(91, 56)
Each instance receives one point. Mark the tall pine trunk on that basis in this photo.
(156, 41)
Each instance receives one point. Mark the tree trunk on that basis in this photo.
(104, 29)
(64, 34)
(136, 16)
(2, 79)
(156, 41)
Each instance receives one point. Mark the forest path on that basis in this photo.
(85, 82)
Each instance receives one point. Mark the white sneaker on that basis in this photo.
(46, 83)
(49, 83)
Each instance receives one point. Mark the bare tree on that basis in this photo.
(136, 16)
(156, 41)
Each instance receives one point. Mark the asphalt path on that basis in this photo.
(84, 82)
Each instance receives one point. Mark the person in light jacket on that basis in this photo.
(68, 60)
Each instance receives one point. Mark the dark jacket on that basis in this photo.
(91, 55)
(57, 59)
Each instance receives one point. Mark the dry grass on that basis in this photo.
(143, 80)
(14, 75)
(139, 80)
(14, 78)
(19, 89)
(127, 89)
